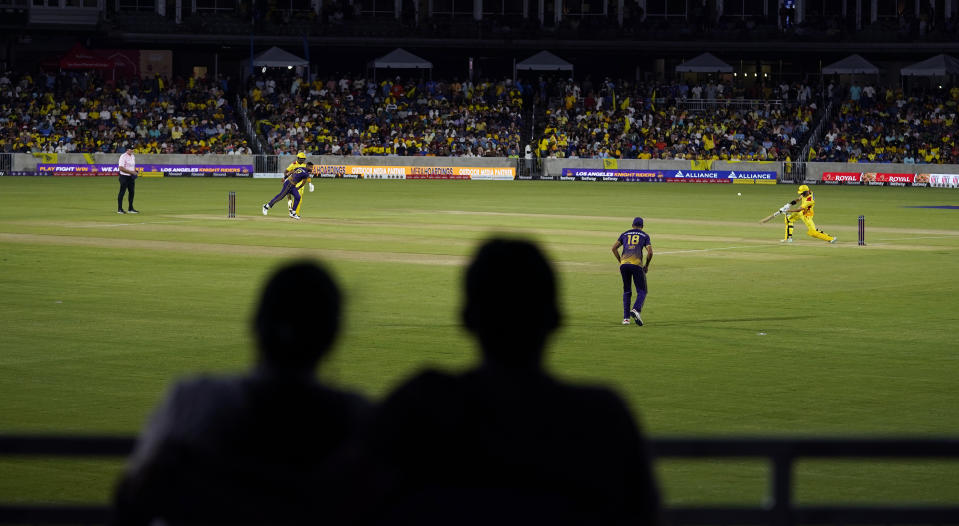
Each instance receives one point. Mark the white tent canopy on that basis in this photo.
(937, 66)
(544, 61)
(851, 65)
(705, 63)
(400, 58)
(278, 58)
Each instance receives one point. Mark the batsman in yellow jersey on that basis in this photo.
(300, 162)
(805, 212)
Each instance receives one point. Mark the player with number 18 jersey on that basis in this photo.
(632, 268)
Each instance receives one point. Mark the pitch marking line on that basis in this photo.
(130, 224)
(715, 249)
(911, 238)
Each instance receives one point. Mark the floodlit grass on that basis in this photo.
(99, 312)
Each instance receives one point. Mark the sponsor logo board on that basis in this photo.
(942, 180)
(841, 177)
(896, 178)
(172, 170)
(669, 176)
(415, 172)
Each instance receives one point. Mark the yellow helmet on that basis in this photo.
(803, 188)
(301, 155)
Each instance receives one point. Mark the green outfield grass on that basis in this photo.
(745, 336)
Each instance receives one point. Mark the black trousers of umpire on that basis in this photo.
(127, 183)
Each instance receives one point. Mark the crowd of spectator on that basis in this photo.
(359, 116)
(619, 119)
(888, 126)
(68, 112)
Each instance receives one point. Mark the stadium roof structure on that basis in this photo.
(705, 63)
(937, 66)
(278, 58)
(851, 65)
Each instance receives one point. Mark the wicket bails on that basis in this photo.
(231, 205)
(862, 230)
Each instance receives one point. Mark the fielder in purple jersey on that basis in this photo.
(631, 267)
(297, 176)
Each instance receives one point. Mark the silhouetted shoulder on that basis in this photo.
(410, 405)
(570, 455)
(239, 450)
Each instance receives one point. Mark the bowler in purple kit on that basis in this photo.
(289, 188)
(631, 267)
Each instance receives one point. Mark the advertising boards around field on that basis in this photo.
(465, 173)
(598, 174)
(891, 179)
(668, 176)
(842, 177)
(148, 170)
(942, 180)
(882, 178)
(200, 170)
(543, 177)
(729, 176)
(78, 170)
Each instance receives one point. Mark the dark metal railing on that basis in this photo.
(739, 104)
(266, 164)
(780, 509)
(6, 163)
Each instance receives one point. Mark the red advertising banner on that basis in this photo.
(842, 177)
(876, 178)
(893, 178)
(112, 62)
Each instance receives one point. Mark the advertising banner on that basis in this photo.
(415, 172)
(77, 170)
(594, 174)
(921, 180)
(884, 179)
(942, 180)
(199, 170)
(147, 170)
(669, 176)
(842, 177)
(890, 179)
(156, 62)
(722, 176)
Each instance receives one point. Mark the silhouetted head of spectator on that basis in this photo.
(297, 319)
(511, 302)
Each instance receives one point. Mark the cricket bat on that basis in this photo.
(770, 216)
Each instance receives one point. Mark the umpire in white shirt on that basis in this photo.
(128, 177)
